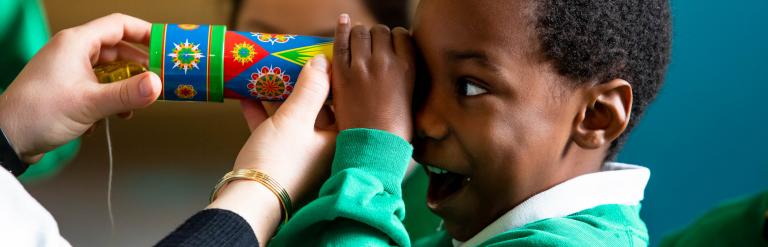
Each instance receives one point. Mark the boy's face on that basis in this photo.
(298, 16)
(493, 112)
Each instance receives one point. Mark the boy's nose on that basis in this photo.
(429, 123)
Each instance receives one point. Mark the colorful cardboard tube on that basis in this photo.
(209, 63)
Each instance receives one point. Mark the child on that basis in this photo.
(524, 103)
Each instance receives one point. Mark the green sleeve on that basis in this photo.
(361, 202)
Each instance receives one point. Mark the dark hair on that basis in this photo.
(393, 13)
(601, 40)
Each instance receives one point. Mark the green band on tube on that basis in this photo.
(216, 75)
(156, 40)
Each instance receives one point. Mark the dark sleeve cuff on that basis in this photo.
(9, 160)
(212, 227)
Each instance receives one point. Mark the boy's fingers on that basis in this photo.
(253, 112)
(382, 40)
(360, 40)
(310, 94)
(403, 43)
(341, 46)
(126, 95)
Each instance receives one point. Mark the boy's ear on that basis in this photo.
(604, 115)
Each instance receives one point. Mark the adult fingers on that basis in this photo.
(125, 52)
(326, 120)
(126, 115)
(108, 31)
(254, 113)
(126, 95)
(310, 94)
(271, 106)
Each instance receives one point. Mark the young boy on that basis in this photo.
(521, 104)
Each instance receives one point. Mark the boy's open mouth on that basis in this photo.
(443, 184)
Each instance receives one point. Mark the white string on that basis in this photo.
(109, 178)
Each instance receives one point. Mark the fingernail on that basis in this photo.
(320, 62)
(344, 18)
(145, 86)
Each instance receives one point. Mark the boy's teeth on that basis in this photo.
(436, 170)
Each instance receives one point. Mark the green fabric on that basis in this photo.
(420, 221)
(606, 225)
(361, 205)
(737, 223)
(23, 31)
(361, 202)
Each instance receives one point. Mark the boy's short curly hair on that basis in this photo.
(600, 40)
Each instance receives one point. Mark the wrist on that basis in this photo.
(402, 132)
(254, 202)
(381, 153)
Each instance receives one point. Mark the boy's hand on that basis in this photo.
(373, 78)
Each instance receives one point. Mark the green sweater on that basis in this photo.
(361, 205)
(742, 222)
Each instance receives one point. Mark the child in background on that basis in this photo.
(518, 110)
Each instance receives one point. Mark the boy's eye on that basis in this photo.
(468, 87)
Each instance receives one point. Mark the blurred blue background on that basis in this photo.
(704, 139)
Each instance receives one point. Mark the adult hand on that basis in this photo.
(57, 97)
(373, 80)
(288, 147)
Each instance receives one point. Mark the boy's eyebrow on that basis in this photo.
(479, 57)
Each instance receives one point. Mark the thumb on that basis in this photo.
(310, 94)
(127, 95)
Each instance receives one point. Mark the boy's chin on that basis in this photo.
(460, 232)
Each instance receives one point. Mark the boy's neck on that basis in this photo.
(577, 162)
(584, 161)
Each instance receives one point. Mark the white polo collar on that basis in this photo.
(615, 183)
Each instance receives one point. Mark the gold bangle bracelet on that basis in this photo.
(262, 178)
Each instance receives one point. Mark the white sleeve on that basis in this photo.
(23, 221)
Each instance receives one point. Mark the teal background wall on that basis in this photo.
(705, 138)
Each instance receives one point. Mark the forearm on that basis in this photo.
(243, 212)
(212, 227)
(361, 202)
(258, 206)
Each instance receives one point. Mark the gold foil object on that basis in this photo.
(118, 70)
